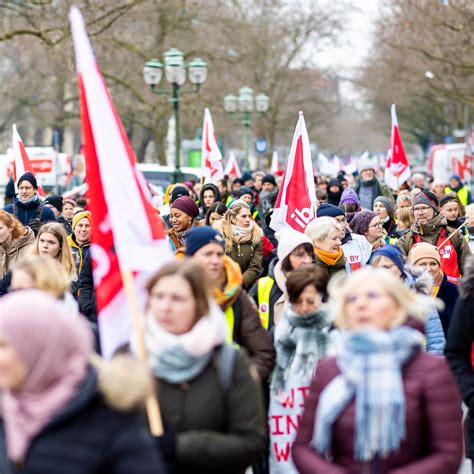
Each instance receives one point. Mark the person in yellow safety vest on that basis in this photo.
(294, 250)
(206, 245)
(458, 187)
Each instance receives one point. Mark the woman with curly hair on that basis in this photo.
(243, 241)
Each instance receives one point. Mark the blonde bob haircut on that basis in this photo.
(64, 256)
(47, 274)
(408, 302)
(318, 229)
(229, 220)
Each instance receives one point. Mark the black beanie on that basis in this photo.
(269, 178)
(55, 201)
(30, 178)
(177, 192)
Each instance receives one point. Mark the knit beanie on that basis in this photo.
(198, 237)
(245, 190)
(177, 192)
(361, 221)
(81, 215)
(288, 240)
(187, 205)
(385, 203)
(349, 196)
(246, 177)
(423, 250)
(392, 252)
(269, 178)
(55, 201)
(427, 198)
(451, 197)
(329, 210)
(365, 165)
(30, 177)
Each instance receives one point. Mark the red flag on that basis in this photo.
(126, 233)
(295, 206)
(276, 166)
(22, 163)
(397, 170)
(232, 168)
(211, 155)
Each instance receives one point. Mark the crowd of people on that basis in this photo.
(343, 349)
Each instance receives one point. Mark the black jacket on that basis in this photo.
(459, 346)
(88, 437)
(448, 294)
(86, 298)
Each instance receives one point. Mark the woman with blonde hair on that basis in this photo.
(382, 405)
(326, 234)
(15, 241)
(52, 241)
(405, 219)
(243, 240)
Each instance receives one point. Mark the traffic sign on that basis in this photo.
(260, 145)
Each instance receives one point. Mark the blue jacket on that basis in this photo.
(89, 437)
(27, 212)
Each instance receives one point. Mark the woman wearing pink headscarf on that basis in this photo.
(58, 413)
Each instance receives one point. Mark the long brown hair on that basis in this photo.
(10, 221)
(228, 221)
(64, 256)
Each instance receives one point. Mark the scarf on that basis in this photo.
(329, 258)
(31, 200)
(438, 280)
(242, 234)
(233, 277)
(300, 341)
(182, 358)
(181, 236)
(370, 362)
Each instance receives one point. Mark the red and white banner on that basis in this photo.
(397, 169)
(126, 233)
(22, 163)
(295, 206)
(212, 169)
(232, 168)
(276, 166)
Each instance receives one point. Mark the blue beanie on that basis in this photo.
(392, 252)
(329, 210)
(198, 237)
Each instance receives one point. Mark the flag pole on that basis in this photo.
(451, 235)
(152, 406)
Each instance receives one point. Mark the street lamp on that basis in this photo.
(175, 73)
(244, 103)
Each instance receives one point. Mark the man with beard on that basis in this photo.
(268, 194)
(369, 187)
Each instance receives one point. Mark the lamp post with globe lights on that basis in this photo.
(245, 104)
(175, 74)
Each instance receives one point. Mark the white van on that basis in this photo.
(162, 176)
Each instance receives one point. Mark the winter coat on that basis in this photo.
(459, 347)
(66, 224)
(250, 334)
(13, 249)
(249, 257)
(429, 233)
(86, 299)
(420, 281)
(448, 294)
(217, 195)
(357, 251)
(338, 267)
(90, 436)
(28, 212)
(376, 188)
(433, 441)
(217, 430)
(79, 252)
(276, 293)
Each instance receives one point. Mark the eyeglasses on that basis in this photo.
(421, 209)
(379, 224)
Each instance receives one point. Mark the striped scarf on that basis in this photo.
(300, 341)
(370, 364)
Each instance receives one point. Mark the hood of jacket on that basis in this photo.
(466, 288)
(214, 188)
(11, 245)
(432, 227)
(418, 279)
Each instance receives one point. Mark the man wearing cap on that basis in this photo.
(458, 187)
(206, 245)
(369, 187)
(431, 226)
(356, 248)
(27, 207)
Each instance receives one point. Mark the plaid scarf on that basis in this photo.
(370, 363)
(300, 341)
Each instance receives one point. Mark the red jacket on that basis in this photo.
(433, 425)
